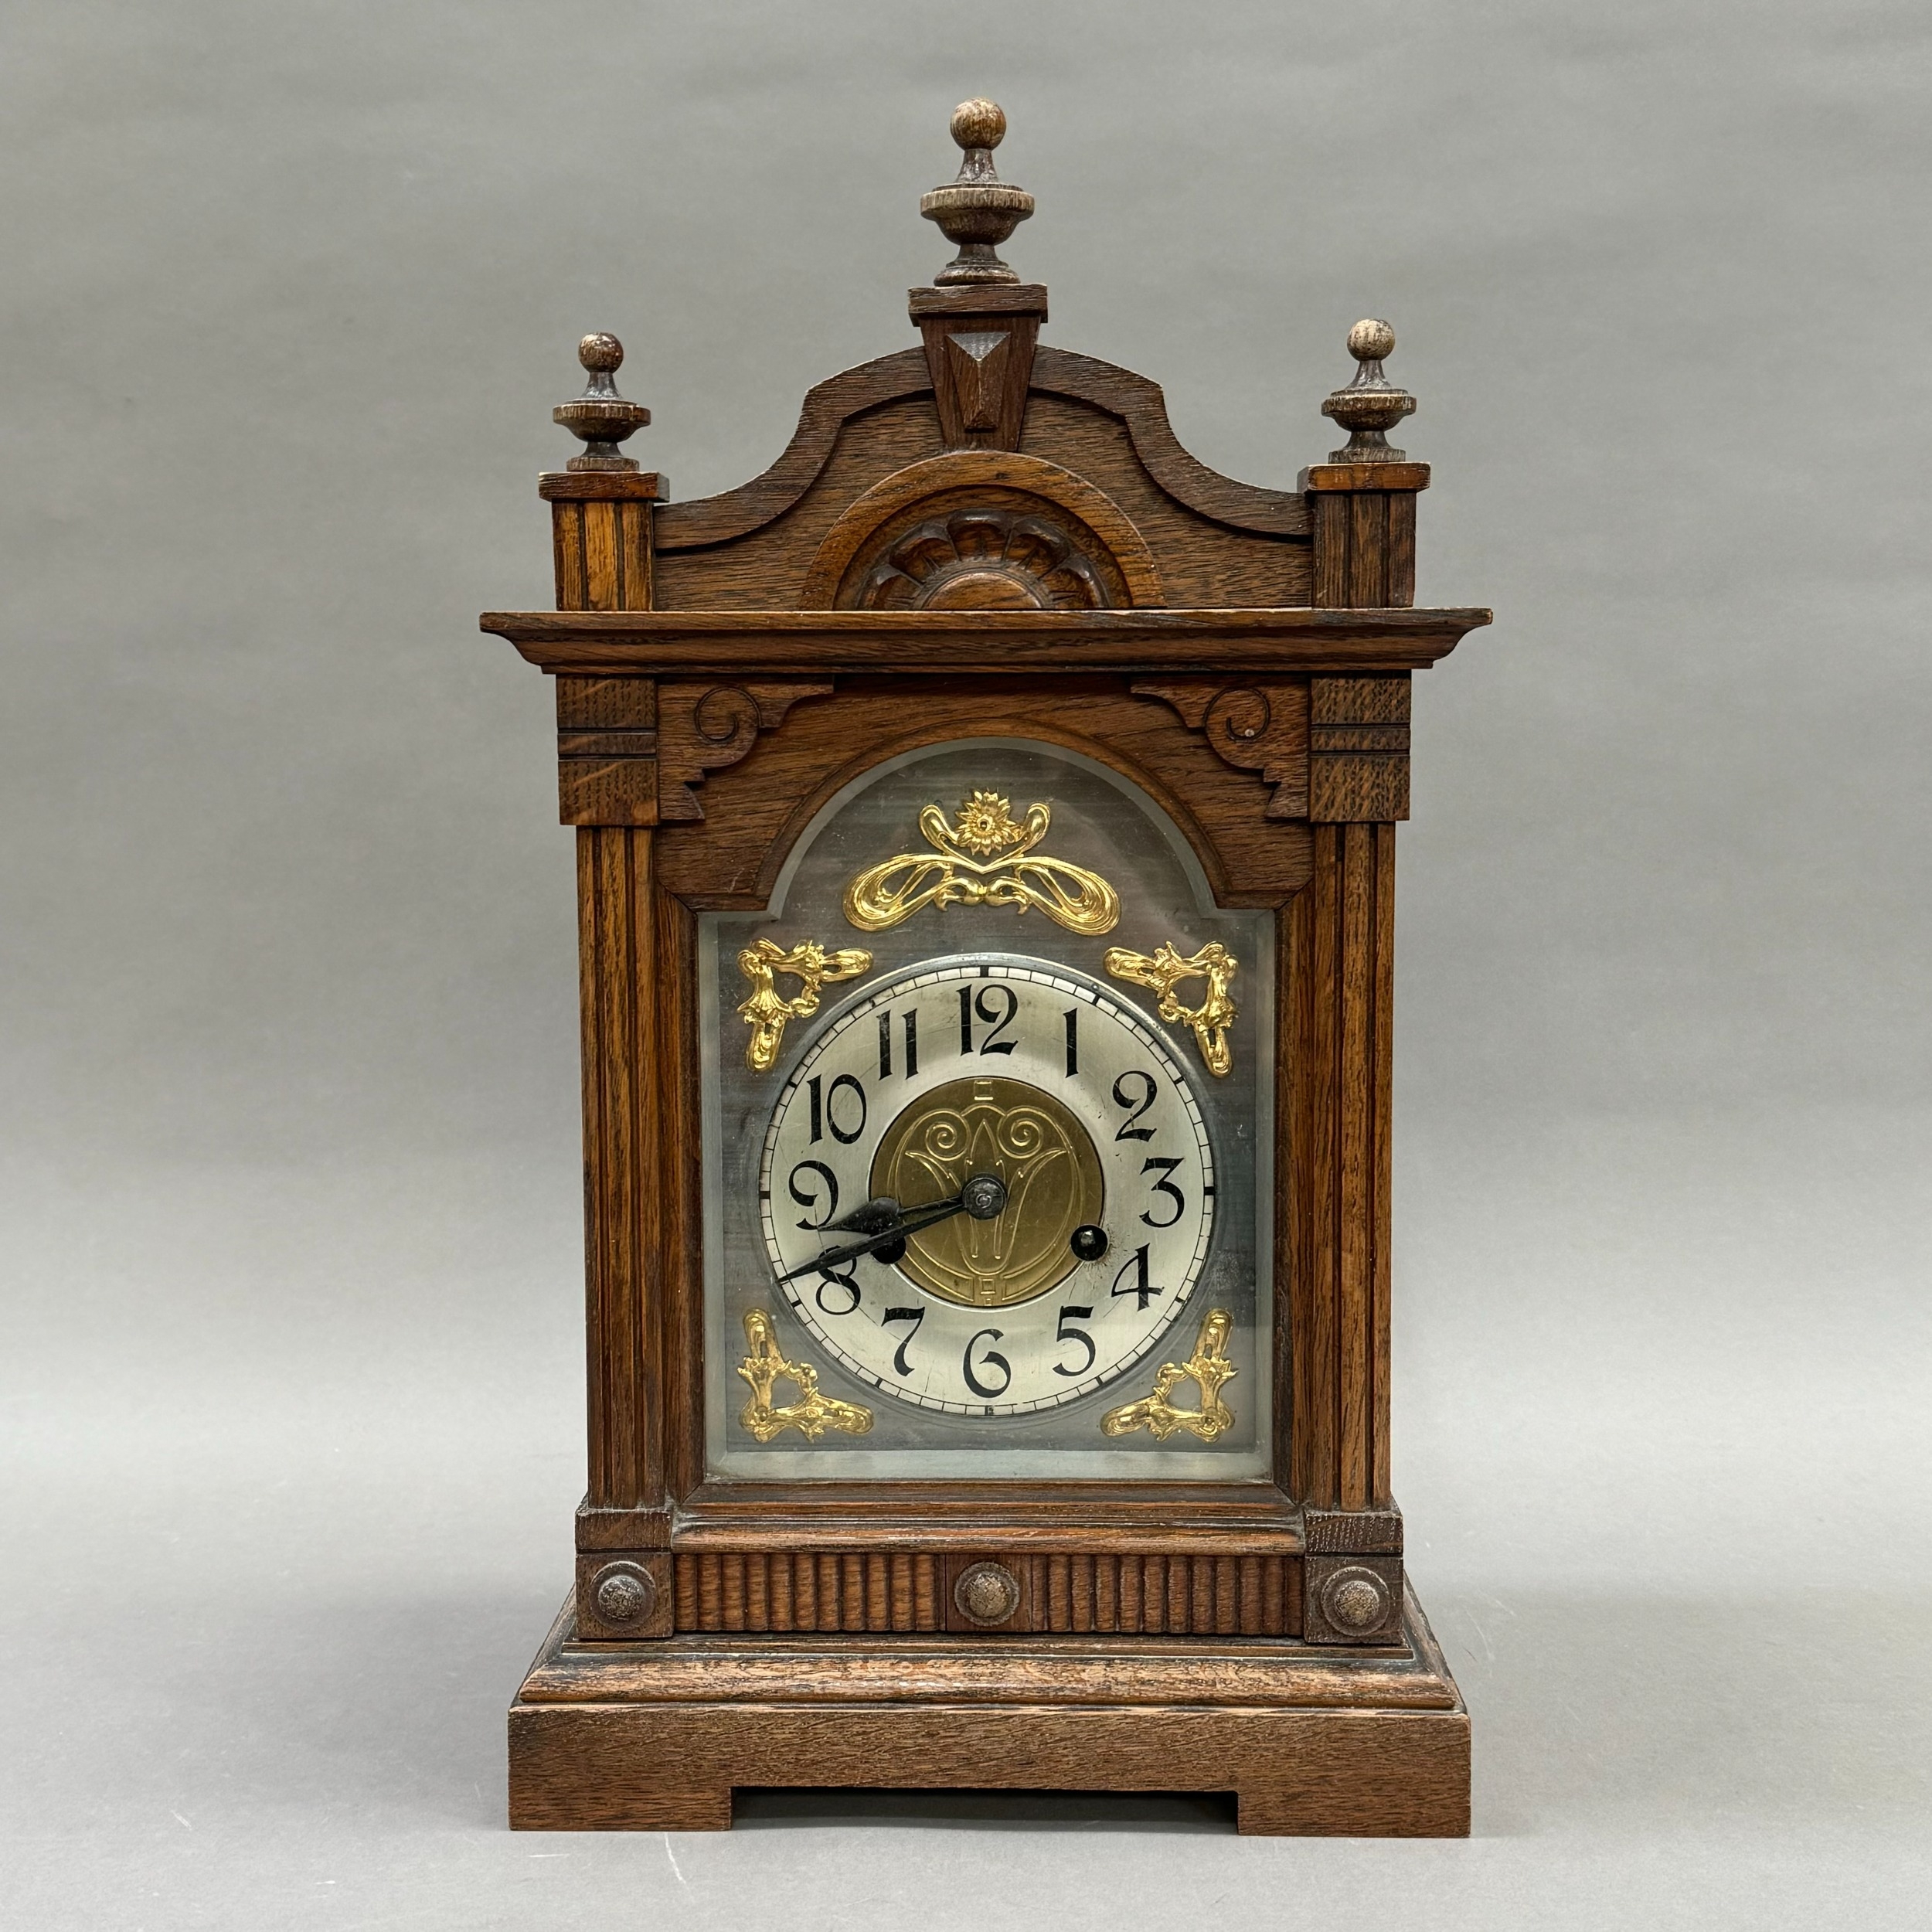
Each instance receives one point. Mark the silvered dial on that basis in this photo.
(1026, 1167)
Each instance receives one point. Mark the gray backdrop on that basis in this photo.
(290, 1359)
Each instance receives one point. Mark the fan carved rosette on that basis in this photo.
(991, 559)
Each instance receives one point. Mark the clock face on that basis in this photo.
(986, 1091)
(1038, 1162)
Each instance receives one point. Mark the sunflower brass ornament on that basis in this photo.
(983, 859)
(766, 1012)
(1208, 1368)
(1165, 969)
(812, 1414)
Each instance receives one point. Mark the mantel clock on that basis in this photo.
(986, 828)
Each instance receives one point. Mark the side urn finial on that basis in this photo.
(1371, 406)
(600, 415)
(977, 211)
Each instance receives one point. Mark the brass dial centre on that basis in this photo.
(1035, 1144)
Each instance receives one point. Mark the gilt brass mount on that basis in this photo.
(766, 1012)
(1165, 969)
(812, 1414)
(1208, 1368)
(985, 858)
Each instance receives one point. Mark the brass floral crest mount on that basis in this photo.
(984, 858)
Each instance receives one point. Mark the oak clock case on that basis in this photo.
(985, 827)
(996, 1037)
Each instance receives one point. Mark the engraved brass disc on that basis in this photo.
(1034, 1145)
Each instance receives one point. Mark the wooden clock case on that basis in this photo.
(984, 535)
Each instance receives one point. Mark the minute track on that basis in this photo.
(1038, 1114)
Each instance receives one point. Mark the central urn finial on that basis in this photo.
(977, 211)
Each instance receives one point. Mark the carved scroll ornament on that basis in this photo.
(703, 728)
(983, 859)
(1165, 969)
(1261, 727)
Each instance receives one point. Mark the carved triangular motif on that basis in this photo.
(979, 359)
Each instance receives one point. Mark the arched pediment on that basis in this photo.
(1087, 420)
(1137, 404)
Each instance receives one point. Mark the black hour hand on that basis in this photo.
(982, 1197)
(870, 1217)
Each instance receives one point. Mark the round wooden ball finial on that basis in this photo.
(1371, 406)
(979, 123)
(977, 211)
(1369, 340)
(600, 415)
(601, 353)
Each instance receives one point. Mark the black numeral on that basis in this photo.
(1073, 1018)
(1122, 1096)
(811, 1199)
(1136, 1265)
(901, 1365)
(1163, 1165)
(992, 1358)
(886, 1045)
(990, 1013)
(833, 1279)
(1063, 1333)
(825, 1108)
(845, 1083)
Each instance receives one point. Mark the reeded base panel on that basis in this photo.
(655, 1737)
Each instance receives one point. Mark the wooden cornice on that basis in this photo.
(737, 643)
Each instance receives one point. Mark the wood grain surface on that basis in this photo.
(986, 536)
(871, 1589)
(655, 1736)
(947, 644)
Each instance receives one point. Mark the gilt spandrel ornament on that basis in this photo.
(1208, 1368)
(812, 1414)
(985, 858)
(767, 1011)
(1164, 969)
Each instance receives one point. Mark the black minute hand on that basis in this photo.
(911, 1221)
(982, 1197)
